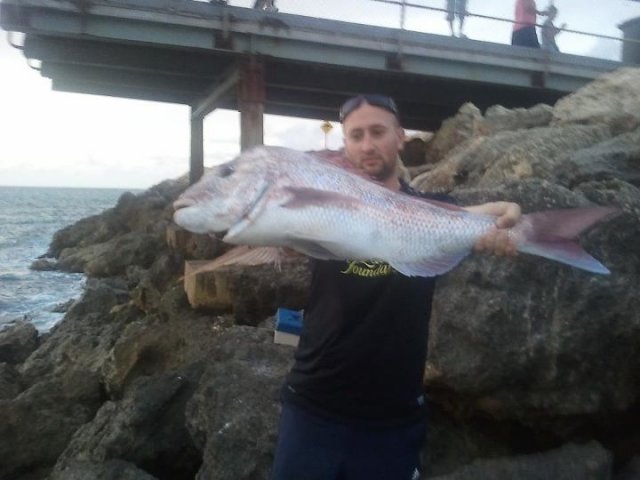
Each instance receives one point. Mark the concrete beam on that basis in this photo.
(222, 91)
(251, 98)
(196, 169)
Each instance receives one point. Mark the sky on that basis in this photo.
(50, 138)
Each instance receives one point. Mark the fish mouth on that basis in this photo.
(183, 203)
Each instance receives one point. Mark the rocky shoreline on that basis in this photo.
(532, 370)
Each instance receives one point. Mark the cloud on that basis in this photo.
(606, 49)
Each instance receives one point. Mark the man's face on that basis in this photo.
(372, 140)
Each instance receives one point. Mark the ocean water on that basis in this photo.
(29, 216)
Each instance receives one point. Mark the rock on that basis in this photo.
(113, 256)
(36, 425)
(631, 471)
(86, 333)
(559, 343)
(499, 119)
(44, 265)
(453, 133)
(150, 346)
(610, 160)
(17, 342)
(452, 443)
(613, 98)
(570, 462)
(109, 470)
(63, 307)
(148, 287)
(413, 153)
(250, 292)
(9, 382)
(146, 428)
(487, 162)
(124, 235)
(233, 415)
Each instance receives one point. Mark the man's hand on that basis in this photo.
(497, 241)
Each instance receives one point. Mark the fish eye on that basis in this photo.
(225, 170)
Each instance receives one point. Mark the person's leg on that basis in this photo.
(386, 454)
(532, 37)
(525, 37)
(451, 8)
(461, 26)
(462, 12)
(308, 447)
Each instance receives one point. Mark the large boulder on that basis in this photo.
(613, 99)
(234, 413)
(487, 162)
(454, 132)
(128, 234)
(500, 119)
(108, 470)
(570, 462)
(112, 257)
(9, 382)
(146, 429)
(36, 425)
(529, 339)
(17, 342)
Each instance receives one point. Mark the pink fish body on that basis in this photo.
(273, 196)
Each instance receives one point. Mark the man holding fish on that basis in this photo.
(353, 405)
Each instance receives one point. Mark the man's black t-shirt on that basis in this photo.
(363, 345)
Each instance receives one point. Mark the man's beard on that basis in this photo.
(384, 172)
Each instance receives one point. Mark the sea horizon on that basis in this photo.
(75, 187)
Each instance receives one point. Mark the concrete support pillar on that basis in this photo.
(251, 95)
(197, 148)
(631, 46)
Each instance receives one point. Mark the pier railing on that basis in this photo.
(429, 16)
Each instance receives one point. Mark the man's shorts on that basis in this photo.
(456, 8)
(311, 447)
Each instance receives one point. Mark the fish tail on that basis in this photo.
(552, 234)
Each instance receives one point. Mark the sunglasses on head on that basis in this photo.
(381, 101)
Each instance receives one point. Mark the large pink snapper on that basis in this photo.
(271, 196)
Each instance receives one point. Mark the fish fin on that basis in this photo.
(305, 197)
(565, 252)
(566, 224)
(430, 266)
(551, 234)
(243, 255)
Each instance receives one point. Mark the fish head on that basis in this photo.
(225, 194)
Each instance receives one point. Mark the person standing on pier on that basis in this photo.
(524, 28)
(266, 5)
(549, 31)
(456, 8)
